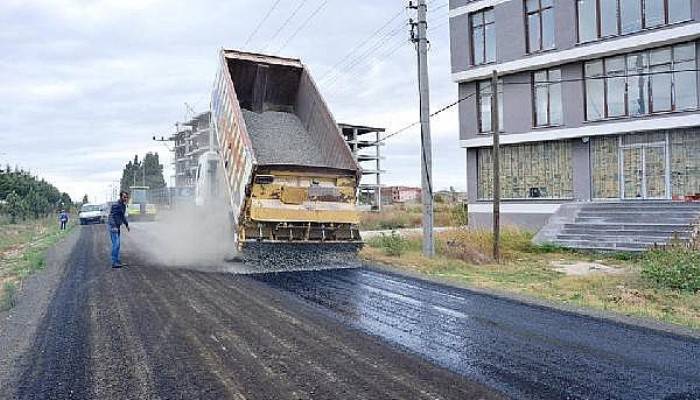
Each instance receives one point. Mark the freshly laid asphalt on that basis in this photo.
(152, 332)
(155, 333)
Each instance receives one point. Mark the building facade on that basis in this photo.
(191, 141)
(366, 143)
(598, 101)
(400, 194)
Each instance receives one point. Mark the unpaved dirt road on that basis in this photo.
(149, 332)
(152, 333)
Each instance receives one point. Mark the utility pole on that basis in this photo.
(426, 149)
(496, 167)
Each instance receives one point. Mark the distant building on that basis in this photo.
(400, 194)
(451, 196)
(366, 143)
(191, 140)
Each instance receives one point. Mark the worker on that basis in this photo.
(63, 219)
(117, 218)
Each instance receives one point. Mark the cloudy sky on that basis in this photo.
(85, 84)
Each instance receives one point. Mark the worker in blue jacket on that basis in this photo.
(117, 218)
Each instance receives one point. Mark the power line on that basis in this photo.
(447, 107)
(362, 43)
(303, 25)
(260, 24)
(335, 75)
(286, 22)
(364, 57)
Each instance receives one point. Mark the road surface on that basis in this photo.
(152, 333)
(149, 332)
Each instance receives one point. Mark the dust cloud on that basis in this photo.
(185, 236)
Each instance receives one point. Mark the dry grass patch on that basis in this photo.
(22, 248)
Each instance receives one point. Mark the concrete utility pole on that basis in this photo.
(426, 149)
(496, 167)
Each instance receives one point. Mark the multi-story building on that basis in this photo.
(400, 194)
(191, 141)
(598, 101)
(365, 143)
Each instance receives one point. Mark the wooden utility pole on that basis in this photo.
(496, 167)
(426, 149)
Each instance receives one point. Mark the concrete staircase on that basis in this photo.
(627, 226)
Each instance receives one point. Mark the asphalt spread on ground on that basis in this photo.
(522, 350)
(148, 332)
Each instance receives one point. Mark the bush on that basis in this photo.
(394, 245)
(8, 300)
(675, 268)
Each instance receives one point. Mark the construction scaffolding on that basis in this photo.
(191, 141)
(365, 143)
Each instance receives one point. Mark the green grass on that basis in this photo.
(9, 294)
(22, 253)
(463, 256)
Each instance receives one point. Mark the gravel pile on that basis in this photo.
(282, 257)
(280, 138)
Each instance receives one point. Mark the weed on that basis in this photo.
(9, 295)
(394, 245)
(675, 268)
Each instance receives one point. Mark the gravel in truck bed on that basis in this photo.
(280, 138)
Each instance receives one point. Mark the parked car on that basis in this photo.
(91, 214)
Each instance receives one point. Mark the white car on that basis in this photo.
(91, 214)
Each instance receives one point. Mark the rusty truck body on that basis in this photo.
(289, 174)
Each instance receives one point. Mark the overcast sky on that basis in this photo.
(85, 84)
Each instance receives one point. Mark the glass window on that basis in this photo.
(605, 167)
(685, 162)
(660, 65)
(595, 90)
(484, 95)
(678, 10)
(630, 15)
(615, 86)
(483, 37)
(685, 79)
(547, 97)
(587, 20)
(529, 170)
(640, 83)
(653, 13)
(540, 24)
(605, 18)
(637, 84)
(608, 18)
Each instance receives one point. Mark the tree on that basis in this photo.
(85, 199)
(15, 207)
(148, 172)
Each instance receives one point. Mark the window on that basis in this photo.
(483, 37)
(657, 80)
(605, 167)
(685, 162)
(483, 102)
(539, 19)
(604, 18)
(547, 97)
(528, 170)
(587, 11)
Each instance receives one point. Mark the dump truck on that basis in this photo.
(289, 175)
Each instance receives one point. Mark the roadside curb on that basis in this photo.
(629, 322)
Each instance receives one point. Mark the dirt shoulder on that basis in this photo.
(18, 326)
